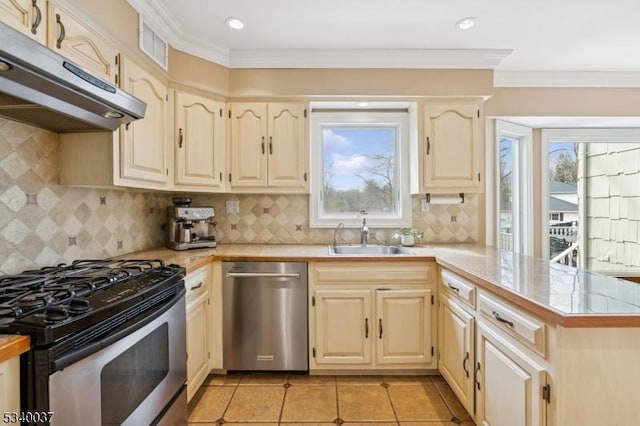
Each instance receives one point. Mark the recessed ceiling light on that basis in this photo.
(466, 23)
(234, 23)
(363, 104)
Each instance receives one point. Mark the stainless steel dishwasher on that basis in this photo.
(265, 316)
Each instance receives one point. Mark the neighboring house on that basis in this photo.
(563, 203)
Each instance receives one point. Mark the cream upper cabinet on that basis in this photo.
(450, 150)
(27, 16)
(510, 385)
(365, 316)
(77, 41)
(199, 142)
(396, 342)
(456, 349)
(344, 328)
(268, 147)
(143, 142)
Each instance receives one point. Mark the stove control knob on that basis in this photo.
(55, 314)
(78, 305)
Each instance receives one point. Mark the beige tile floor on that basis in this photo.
(275, 399)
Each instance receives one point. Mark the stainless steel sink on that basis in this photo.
(368, 250)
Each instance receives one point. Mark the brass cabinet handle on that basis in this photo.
(454, 288)
(428, 145)
(475, 376)
(464, 364)
(38, 18)
(195, 287)
(63, 32)
(270, 145)
(366, 328)
(180, 138)
(263, 144)
(380, 327)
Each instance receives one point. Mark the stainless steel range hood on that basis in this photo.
(41, 88)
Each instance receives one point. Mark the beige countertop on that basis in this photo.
(560, 294)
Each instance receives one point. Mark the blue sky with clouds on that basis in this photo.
(346, 150)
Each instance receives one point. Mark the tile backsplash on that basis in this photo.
(284, 219)
(43, 223)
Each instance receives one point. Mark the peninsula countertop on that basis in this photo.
(560, 294)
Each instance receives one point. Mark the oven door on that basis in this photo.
(137, 380)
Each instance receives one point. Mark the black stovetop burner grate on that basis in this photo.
(56, 293)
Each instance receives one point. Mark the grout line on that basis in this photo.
(446, 403)
(235, 388)
(386, 389)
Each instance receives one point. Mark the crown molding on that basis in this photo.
(208, 51)
(565, 79)
(367, 58)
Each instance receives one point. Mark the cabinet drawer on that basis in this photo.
(459, 288)
(377, 273)
(524, 327)
(196, 283)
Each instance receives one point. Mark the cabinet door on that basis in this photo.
(197, 344)
(199, 140)
(451, 148)
(248, 145)
(80, 44)
(397, 343)
(343, 326)
(287, 164)
(26, 16)
(142, 152)
(455, 350)
(509, 384)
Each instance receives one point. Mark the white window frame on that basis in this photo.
(573, 135)
(400, 120)
(522, 188)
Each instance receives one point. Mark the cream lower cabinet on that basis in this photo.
(509, 384)
(26, 16)
(10, 385)
(456, 349)
(198, 287)
(199, 142)
(367, 316)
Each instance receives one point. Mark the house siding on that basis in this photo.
(612, 182)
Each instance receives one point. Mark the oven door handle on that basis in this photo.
(262, 275)
(135, 323)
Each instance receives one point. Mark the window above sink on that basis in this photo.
(360, 162)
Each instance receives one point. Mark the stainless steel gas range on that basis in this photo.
(107, 341)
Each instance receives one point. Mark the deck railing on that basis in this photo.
(568, 257)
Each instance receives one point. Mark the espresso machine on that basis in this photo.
(189, 227)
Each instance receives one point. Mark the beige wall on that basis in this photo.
(360, 82)
(541, 101)
(196, 72)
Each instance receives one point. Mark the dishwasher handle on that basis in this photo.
(262, 274)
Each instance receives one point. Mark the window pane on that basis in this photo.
(563, 201)
(505, 202)
(359, 170)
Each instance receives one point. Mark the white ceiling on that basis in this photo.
(514, 37)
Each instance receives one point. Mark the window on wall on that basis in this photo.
(591, 197)
(513, 187)
(360, 165)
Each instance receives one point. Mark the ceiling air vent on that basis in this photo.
(153, 44)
